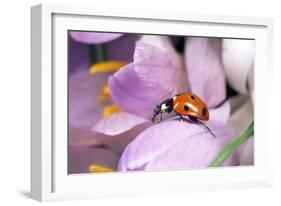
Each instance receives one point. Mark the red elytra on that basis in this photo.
(188, 104)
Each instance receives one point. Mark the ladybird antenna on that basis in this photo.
(207, 128)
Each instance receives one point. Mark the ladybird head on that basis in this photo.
(165, 107)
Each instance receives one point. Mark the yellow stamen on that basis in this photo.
(104, 93)
(107, 66)
(109, 110)
(98, 168)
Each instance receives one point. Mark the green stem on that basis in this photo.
(98, 53)
(232, 146)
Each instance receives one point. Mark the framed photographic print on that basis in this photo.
(136, 102)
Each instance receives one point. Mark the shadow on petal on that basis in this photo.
(80, 158)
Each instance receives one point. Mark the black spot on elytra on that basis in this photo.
(204, 111)
(186, 108)
(192, 97)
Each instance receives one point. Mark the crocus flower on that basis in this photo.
(159, 72)
(156, 73)
(85, 107)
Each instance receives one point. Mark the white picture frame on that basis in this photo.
(49, 178)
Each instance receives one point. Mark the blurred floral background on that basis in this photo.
(116, 80)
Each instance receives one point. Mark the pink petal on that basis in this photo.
(157, 63)
(238, 58)
(134, 95)
(81, 137)
(204, 69)
(78, 56)
(118, 123)
(154, 76)
(246, 152)
(197, 151)
(122, 48)
(237, 101)
(176, 145)
(94, 37)
(240, 119)
(220, 114)
(84, 108)
(118, 143)
(159, 138)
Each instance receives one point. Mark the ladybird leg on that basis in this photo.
(207, 128)
(161, 117)
(182, 119)
(158, 118)
(192, 118)
(153, 118)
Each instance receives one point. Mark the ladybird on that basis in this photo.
(184, 104)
